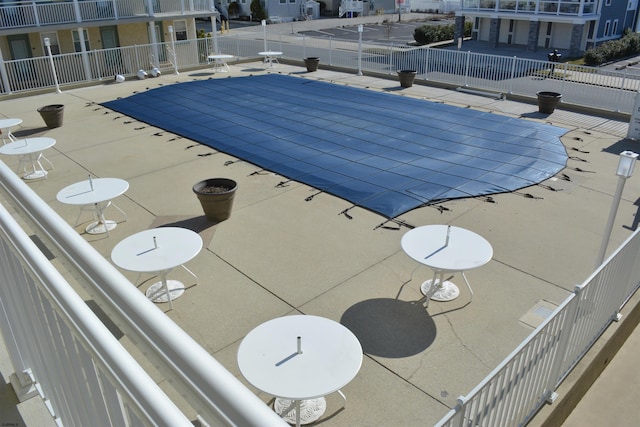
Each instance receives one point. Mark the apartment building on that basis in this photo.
(71, 26)
(571, 26)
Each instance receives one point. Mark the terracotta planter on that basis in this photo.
(216, 197)
(311, 63)
(52, 115)
(406, 77)
(547, 101)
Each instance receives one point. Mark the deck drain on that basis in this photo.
(538, 313)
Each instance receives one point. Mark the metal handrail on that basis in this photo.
(216, 394)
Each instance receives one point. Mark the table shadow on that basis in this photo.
(198, 224)
(389, 327)
(26, 133)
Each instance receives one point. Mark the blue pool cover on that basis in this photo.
(380, 151)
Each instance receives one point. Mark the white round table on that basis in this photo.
(446, 249)
(95, 194)
(30, 151)
(299, 359)
(270, 57)
(220, 62)
(5, 128)
(158, 251)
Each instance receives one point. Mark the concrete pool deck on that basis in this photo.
(284, 252)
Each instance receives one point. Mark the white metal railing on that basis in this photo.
(34, 13)
(514, 391)
(554, 7)
(58, 347)
(586, 86)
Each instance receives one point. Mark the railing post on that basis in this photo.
(330, 50)
(563, 343)
(135, 50)
(83, 52)
(150, 10)
(513, 73)
(426, 63)
(466, 69)
(76, 9)
(95, 56)
(35, 13)
(115, 8)
(360, 49)
(173, 50)
(3, 73)
(214, 29)
(304, 46)
(621, 90)
(390, 57)
(564, 78)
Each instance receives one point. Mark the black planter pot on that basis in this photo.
(406, 77)
(311, 63)
(547, 101)
(216, 197)
(52, 115)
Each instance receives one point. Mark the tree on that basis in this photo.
(234, 9)
(257, 11)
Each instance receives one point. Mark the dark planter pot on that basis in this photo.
(311, 63)
(216, 197)
(52, 115)
(406, 77)
(547, 101)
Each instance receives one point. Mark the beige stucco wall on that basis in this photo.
(128, 35)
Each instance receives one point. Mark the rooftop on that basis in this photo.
(281, 254)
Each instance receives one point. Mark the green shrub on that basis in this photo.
(626, 46)
(427, 34)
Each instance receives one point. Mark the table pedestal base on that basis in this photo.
(99, 227)
(447, 292)
(38, 174)
(157, 293)
(310, 410)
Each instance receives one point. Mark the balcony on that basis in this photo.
(538, 7)
(37, 13)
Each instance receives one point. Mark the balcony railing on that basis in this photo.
(36, 13)
(59, 349)
(554, 7)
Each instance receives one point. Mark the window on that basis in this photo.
(614, 30)
(607, 29)
(53, 43)
(607, 3)
(180, 28)
(76, 40)
(283, 1)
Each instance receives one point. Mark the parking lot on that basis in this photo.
(383, 33)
